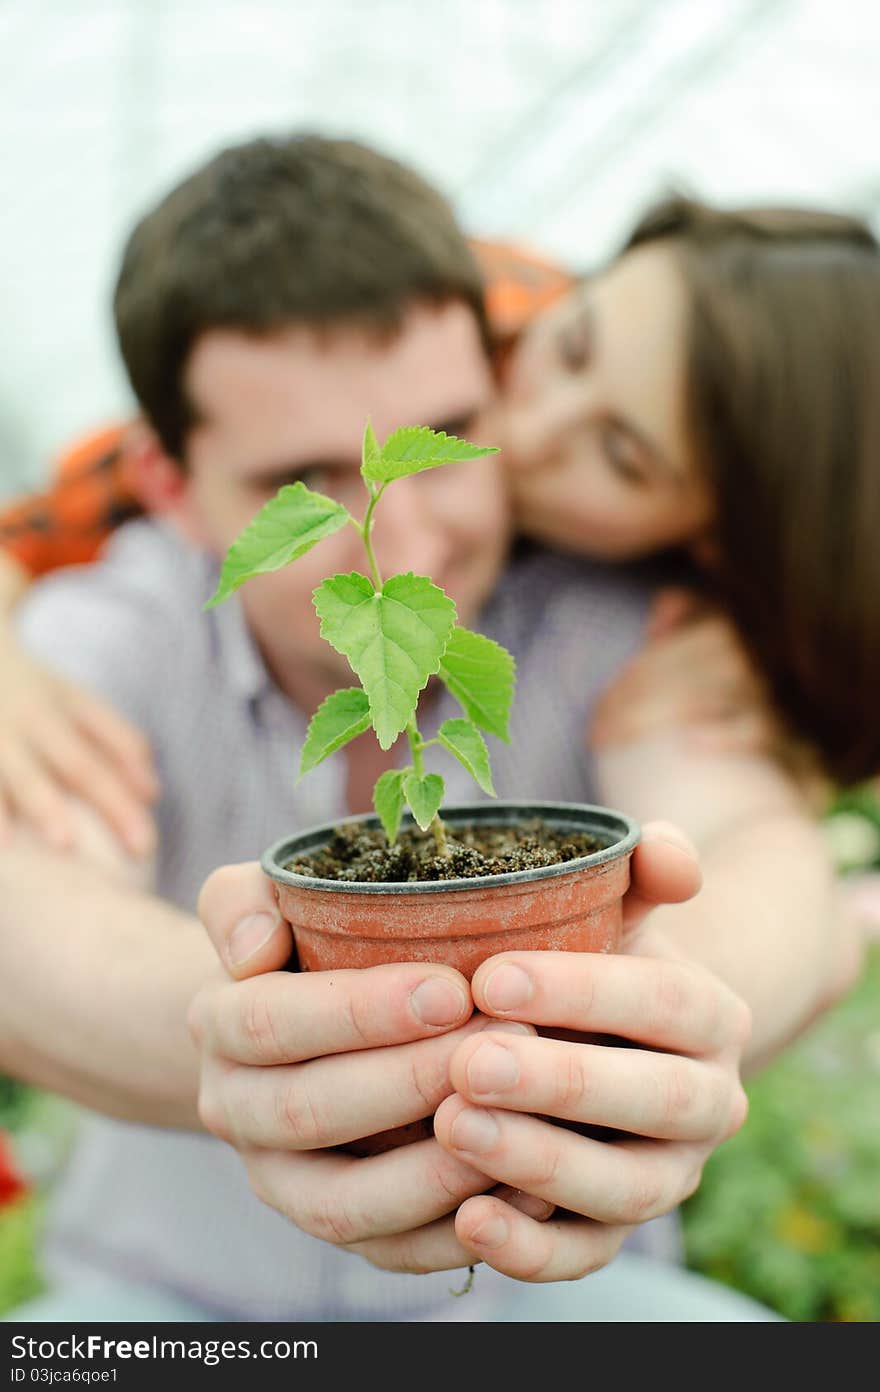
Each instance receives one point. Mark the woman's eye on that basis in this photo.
(573, 345)
(619, 455)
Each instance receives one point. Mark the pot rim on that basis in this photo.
(629, 834)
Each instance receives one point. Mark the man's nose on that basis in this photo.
(407, 533)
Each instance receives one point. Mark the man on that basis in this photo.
(264, 310)
(58, 736)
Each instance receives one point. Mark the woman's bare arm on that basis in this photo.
(770, 919)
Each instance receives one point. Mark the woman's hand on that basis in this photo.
(694, 673)
(56, 740)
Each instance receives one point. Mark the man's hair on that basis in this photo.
(273, 234)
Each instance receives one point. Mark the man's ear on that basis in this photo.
(160, 482)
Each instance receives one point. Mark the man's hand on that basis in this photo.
(294, 1065)
(57, 740)
(673, 1090)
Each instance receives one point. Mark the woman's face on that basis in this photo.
(594, 426)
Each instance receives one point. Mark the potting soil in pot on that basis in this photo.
(356, 853)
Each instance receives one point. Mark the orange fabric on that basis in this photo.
(91, 494)
(88, 498)
(520, 282)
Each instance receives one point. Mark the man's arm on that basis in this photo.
(97, 976)
(769, 919)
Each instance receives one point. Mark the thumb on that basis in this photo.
(665, 869)
(238, 908)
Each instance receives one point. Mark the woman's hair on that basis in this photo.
(783, 399)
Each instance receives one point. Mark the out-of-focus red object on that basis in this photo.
(12, 1184)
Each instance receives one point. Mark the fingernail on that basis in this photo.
(438, 1002)
(507, 1027)
(475, 1131)
(508, 987)
(251, 934)
(492, 1068)
(493, 1232)
(530, 1205)
(674, 836)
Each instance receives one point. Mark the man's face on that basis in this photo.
(293, 406)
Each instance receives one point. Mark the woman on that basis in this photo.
(711, 394)
(717, 389)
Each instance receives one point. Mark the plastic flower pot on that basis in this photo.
(574, 906)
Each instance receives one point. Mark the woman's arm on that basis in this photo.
(770, 919)
(56, 738)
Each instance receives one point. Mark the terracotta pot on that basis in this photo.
(574, 906)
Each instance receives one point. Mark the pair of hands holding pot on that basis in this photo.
(295, 1067)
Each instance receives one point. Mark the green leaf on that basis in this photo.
(481, 676)
(424, 796)
(388, 801)
(464, 740)
(393, 638)
(371, 454)
(415, 448)
(340, 718)
(288, 526)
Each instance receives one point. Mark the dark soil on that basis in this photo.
(356, 853)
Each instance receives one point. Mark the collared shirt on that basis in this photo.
(175, 1208)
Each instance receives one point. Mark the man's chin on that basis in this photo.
(473, 594)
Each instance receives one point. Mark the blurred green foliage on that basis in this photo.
(19, 1272)
(789, 1208)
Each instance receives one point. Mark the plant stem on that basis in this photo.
(366, 531)
(439, 830)
(467, 1285)
(415, 748)
(416, 745)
